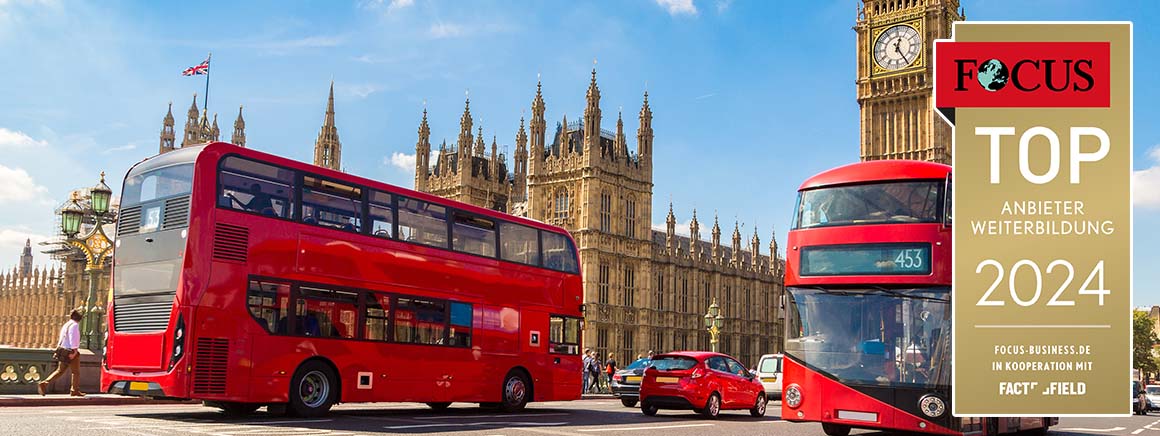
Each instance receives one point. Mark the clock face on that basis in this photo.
(897, 47)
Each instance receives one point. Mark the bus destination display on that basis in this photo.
(863, 259)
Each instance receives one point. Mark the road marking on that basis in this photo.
(1092, 429)
(655, 427)
(474, 424)
(489, 416)
(1137, 431)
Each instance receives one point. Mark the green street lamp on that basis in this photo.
(96, 247)
(713, 323)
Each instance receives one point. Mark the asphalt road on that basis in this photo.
(577, 418)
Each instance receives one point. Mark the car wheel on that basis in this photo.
(835, 429)
(313, 389)
(230, 408)
(628, 402)
(439, 406)
(648, 409)
(758, 409)
(712, 406)
(515, 392)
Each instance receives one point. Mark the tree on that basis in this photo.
(1143, 338)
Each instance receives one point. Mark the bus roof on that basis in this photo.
(877, 171)
(226, 148)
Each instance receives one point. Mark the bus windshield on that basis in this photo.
(875, 203)
(879, 337)
(169, 181)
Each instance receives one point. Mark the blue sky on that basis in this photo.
(749, 97)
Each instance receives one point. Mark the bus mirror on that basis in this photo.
(947, 202)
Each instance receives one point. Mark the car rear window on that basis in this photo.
(669, 363)
(639, 363)
(1154, 390)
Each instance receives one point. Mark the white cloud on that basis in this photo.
(125, 147)
(403, 161)
(1146, 188)
(678, 7)
(446, 30)
(702, 97)
(682, 228)
(17, 186)
(358, 91)
(399, 4)
(17, 139)
(723, 5)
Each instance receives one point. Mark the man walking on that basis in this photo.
(67, 356)
(584, 370)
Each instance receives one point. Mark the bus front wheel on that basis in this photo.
(313, 390)
(516, 389)
(835, 429)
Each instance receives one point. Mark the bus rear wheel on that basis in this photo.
(313, 390)
(835, 429)
(516, 388)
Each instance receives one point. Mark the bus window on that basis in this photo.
(519, 243)
(255, 187)
(558, 253)
(422, 222)
(378, 315)
(331, 204)
(472, 234)
(269, 304)
(564, 335)
(381, 215)
(164, 182)
(460, 325)
(420, 321)
(326, 312)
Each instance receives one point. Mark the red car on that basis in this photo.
(702, 381)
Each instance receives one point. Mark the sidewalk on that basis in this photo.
(87, 400)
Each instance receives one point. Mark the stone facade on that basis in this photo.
(643, 289)
(35, 304)
(897, 117)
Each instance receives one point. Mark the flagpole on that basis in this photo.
(205, 104)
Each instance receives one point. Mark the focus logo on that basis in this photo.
(1023, 74)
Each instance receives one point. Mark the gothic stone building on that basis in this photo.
(896, 78)
(644, 289)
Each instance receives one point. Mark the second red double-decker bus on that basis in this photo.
(868, 328)
(244, 279)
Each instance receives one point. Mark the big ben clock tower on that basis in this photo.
(896, 80)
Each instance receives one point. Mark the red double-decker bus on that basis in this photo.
(245, 279)
(868, 328)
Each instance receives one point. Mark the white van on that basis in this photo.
(769, 371)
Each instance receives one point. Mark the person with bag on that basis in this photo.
(67, 356)
(610, 369)
(584, 370)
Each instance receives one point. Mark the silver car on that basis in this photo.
(769, 371)
(626, 381)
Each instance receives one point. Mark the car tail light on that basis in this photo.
(618, 378)
(793, 396)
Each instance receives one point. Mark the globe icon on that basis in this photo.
(993, 75)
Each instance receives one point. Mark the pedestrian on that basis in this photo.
(610, 368)
(584, 370)
(593, 371)
(67, 355)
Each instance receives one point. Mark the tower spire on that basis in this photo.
(644, 134)
(168, 136)
(192, 128)
(239, 136)
(423, 154)
(464, 142)
(592, 116)
(328, 148)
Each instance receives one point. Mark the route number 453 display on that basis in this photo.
(1057, 299)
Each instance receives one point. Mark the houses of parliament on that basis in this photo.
(647, 289)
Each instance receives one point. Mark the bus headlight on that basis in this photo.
(793, 396)
(932, 406)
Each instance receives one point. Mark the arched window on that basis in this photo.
(605, 212)
(630, 217)
(562, 205)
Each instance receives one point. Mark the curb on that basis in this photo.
(86, 401)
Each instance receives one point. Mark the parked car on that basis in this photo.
(1152, 392)
(769, 372)
(626, 381)
(1139, 399)
(701, 381)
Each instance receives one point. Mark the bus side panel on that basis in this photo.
(534, 346)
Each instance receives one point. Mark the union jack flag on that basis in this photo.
(199, 69)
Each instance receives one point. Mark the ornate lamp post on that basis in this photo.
(96, 247)
(713, 322)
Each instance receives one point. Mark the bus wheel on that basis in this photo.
(758, 409)
(313, 390)
(515, 392)
(628, 402)
(439, 406)
(231, 408)
(835, 429)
